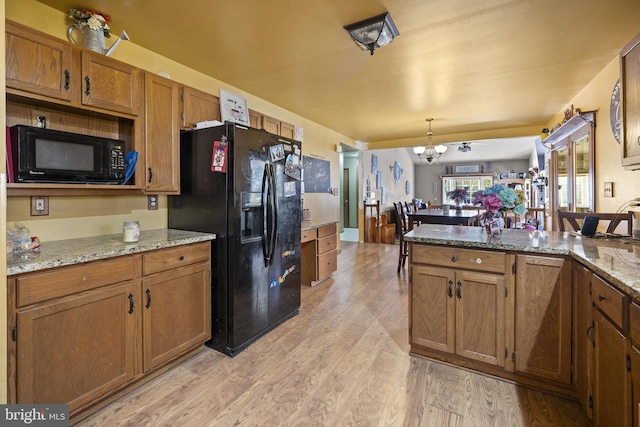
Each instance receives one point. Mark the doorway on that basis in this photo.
(348, 186)
(345, 198)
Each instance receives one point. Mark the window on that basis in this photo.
(471, 183)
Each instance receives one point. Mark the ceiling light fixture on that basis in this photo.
(429, 152)
(373, 33)
(464, 147)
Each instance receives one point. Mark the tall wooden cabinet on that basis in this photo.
(630, 103)
(162, 134)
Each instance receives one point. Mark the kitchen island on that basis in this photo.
(545, 309)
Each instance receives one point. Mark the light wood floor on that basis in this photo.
(342, 362)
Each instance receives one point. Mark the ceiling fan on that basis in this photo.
(465, 147)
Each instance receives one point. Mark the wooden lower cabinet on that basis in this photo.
(543, 317)
(75, 349)
(458, 312)
(84, 334)
(634, 357)
(582, 337)
(177, 306)
(319, 253)
(611, 381)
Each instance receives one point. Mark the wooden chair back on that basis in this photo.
(402, 219)
(574, 219)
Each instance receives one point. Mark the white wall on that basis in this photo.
(395, 189)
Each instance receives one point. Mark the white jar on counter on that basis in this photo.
(130, 231)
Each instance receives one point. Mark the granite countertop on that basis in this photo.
(616, 260)
(313, 223)
(73, 251)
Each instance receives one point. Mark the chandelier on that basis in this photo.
(429, 152)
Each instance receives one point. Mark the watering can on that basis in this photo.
(94, 39)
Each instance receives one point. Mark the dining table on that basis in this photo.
(438, 216)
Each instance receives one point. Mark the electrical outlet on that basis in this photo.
(152, 203)
(39, 205)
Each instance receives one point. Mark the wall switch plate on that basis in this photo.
(39, 205)
(152, 203)
(608, 189)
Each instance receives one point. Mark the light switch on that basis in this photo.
(608, 189)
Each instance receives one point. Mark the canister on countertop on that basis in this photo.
(130, 231)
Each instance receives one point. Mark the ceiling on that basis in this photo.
(482, 69)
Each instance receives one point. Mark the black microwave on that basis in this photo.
(51, 156)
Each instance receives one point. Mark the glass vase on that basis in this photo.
(493, 223)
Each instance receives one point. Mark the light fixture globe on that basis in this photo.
(429, 152)
(373, 33)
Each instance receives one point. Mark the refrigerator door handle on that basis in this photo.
(274, 213)
(265, 215)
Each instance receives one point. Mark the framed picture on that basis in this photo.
(277, 152)
(374, 164)
(467, 168)
(233, 108)
(379, 180)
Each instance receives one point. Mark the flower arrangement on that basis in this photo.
(458, 195)
(90, 18)
(501, 198)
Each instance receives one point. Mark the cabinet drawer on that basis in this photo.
(634, 323)
(327, 263)
(326, 244)
(166, 259)
(308, 235)
(609, 300)
(327, 230)
(459, 258)
(47, 285)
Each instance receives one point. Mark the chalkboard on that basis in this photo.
(317, 174)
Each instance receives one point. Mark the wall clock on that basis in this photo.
(396, 171)
(614, 112)
(407, 187)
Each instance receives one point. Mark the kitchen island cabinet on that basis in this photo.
(85, 332)
(319, 251)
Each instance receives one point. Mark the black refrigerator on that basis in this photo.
(243, 184)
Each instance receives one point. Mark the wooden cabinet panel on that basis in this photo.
(308, 235)
(471, 259)
(634, 323)
(327, 230)
(480, 317)
(543, 317)
(255, 119)
(162, 135)
(287, 130)
(109, 84)
(610, 301)
(432, 309)
(582, 333)
(327, 264)
(634, 355)
(38, 64)
(271, 125)
(630, 103)
(76, 349)
(611, 381)
(326, 244)
(46, 285)
(198, 106)
(180, 256)
(177, 309)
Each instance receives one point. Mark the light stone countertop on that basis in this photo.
(73, 251)
(311, 224)
(616, 260)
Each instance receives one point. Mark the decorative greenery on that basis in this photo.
(458, 195)
(91, 18)
(501, 198)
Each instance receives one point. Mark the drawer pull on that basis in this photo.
(454, 258)
(601, 298)
(593, 325)
(450, 288)
(181, 258)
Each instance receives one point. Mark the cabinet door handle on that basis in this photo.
(150, 175)
(601, 298)
(593, 325)
(459, 290)
(148, 292)
(130, 303)
(66, 80)
(454, 258)
(88, 81)
(450, 288)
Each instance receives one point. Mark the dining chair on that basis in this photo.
(403, 252)
(575, 219)
(411, 208)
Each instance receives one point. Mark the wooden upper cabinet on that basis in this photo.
(630, 97)
(271, 125)
(543, 317)
(37, 64)
(255, 119)
(162, 135)
(109, 84)
(198, 106)
(287, 130)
